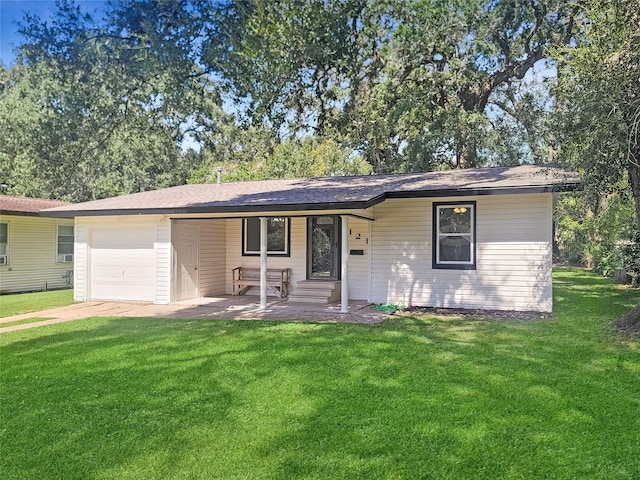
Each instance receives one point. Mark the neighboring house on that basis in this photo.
(477, 238)
(36, 253)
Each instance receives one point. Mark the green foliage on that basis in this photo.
(630, 253)
(101, 108)
(593, 235)
(95, 111)
(407, 83)
(414, 397)
(295, 158)
(599, 95)
(313, 157)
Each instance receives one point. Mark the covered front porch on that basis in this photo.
(315, 251)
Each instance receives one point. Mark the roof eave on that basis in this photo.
(18, 213)
(351, 205)
(472, 192)
(203, 209)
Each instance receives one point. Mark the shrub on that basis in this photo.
(601, 235)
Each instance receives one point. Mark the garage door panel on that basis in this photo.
(113, 258)
(118, 274)
(118, 238)
(123, 264)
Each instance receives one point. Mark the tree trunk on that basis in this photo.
(467, 155)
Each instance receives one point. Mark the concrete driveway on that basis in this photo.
(228, 308)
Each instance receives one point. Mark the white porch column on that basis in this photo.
(344, 307)
(263, 262)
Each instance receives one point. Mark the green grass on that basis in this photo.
(415, 397)
(16, 304)
(24, 321)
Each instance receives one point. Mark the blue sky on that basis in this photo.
(12, 11)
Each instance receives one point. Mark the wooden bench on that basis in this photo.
(246, 277)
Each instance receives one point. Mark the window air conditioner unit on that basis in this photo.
(67, 258)
(3, 260)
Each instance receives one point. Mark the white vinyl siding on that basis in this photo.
(144, 248)
(359, 241)
(221, 251)
(81, 261)
(163, 259)
(513, 255)
(513, 248)
(297, 261)
(32, 254)
(212, 259)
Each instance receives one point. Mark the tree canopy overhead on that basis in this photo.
(94, 109)
(407, 83)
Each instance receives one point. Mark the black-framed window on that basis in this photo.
(278, 236)
(454, 235)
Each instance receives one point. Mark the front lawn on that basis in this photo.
(17, 303)
(415, 397)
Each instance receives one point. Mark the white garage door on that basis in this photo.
(123, 264)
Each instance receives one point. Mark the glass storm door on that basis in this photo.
(323, 248)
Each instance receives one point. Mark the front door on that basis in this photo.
(323, 248)
(185, 240)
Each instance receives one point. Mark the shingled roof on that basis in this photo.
(27, 206)
(356, 192)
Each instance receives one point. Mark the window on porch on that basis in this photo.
(278, 236)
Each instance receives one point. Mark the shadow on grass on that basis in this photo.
(415, 397)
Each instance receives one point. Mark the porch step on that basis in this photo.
(315, 291)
